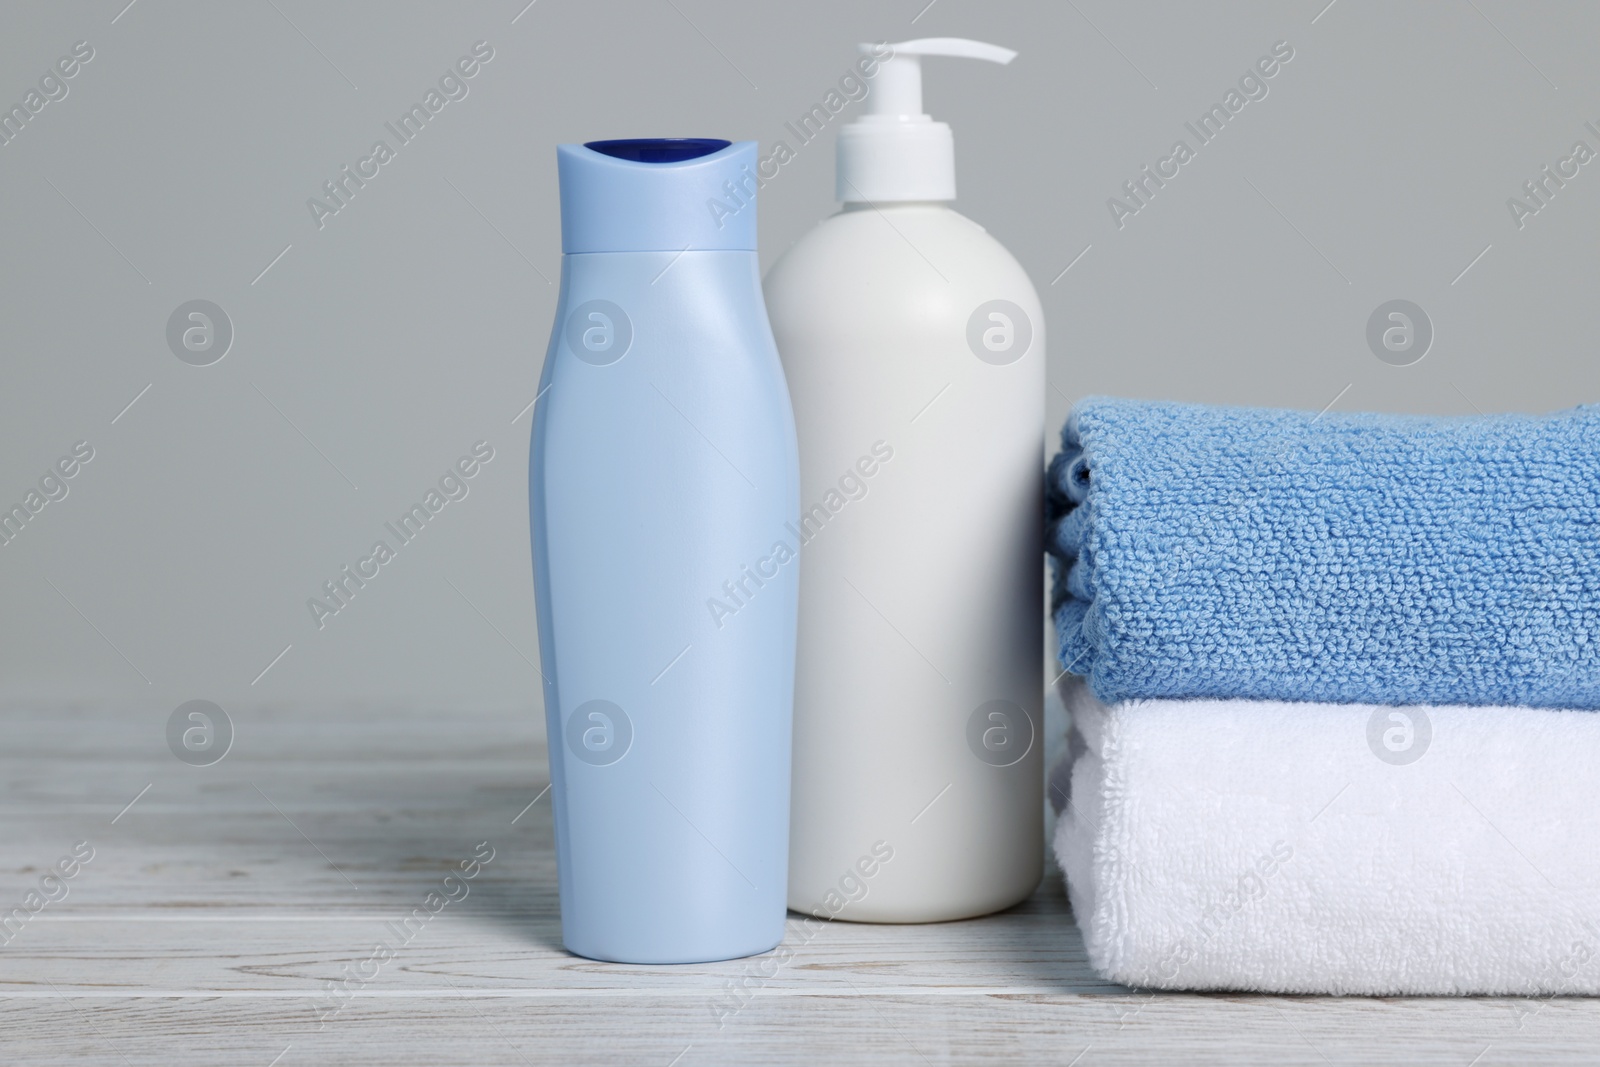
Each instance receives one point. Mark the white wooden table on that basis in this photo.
(220, 904)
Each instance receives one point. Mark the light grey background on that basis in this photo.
(376, 350)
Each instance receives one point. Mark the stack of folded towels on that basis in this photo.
(1333, 682)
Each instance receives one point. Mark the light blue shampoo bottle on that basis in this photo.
(663, 488)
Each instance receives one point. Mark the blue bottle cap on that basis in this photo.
(663, 194)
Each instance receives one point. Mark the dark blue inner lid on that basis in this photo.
(659, 149)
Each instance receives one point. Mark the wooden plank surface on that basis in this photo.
(220, 904)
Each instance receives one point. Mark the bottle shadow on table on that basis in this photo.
(445, 851)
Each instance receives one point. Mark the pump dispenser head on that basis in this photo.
(895, 152)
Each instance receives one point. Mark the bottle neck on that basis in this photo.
(857, 205)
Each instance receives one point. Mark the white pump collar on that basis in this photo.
(895, 152)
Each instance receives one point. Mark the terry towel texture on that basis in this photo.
(1227, 844)
(1282, 555)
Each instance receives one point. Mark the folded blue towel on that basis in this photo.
(1281, 555)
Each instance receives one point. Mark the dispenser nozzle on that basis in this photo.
(894, 151)
(899, 88)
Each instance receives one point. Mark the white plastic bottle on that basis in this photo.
(914, 348)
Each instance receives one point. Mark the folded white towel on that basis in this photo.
(1333, 848)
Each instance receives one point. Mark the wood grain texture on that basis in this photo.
(219, 905)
